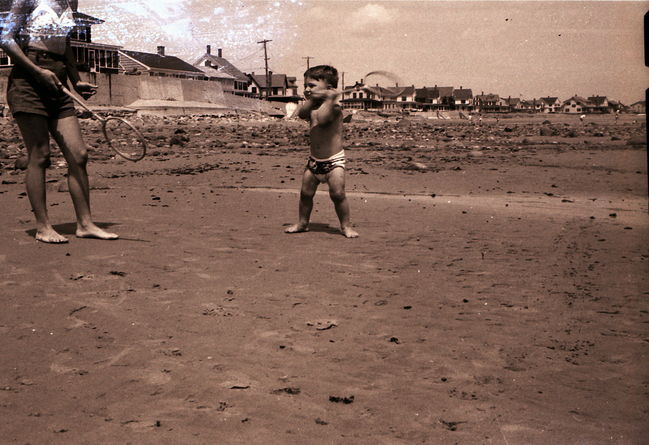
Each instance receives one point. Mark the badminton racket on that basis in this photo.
(121, 135)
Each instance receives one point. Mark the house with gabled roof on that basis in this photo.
(511, 104)
(158, 64)
(600, 104)
(396, 97)
(616, 106)
(532, 105)
(292, 85)
(639, 107)
(360, 97)
(551, 104)
(90, 56)
(488, 103)
(219, 68)
(576, 105)
(463, 99)
(434, 98)
(282, 88)
(226, 81)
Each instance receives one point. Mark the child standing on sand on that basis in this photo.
(327, 159)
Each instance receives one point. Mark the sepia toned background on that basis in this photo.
(510, 48)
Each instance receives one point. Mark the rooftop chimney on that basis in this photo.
(220, 52)
(209, 49)
(161, 50)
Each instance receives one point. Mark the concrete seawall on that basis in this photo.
(187, 96)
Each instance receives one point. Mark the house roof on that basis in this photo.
(512, 101)
(642, 103)
(549, 100)
(277, 80)
(157, 61)
(488, 97)
(434, 92)
(580, 100)
(532, 102)
(84, 19)
(223, 65)
(215, 73)
(463, 94)
(392, 92)
(597, 100)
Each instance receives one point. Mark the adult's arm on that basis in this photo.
(8, 42)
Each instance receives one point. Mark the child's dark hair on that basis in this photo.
(323, 72)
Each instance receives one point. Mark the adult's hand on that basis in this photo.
(85, 89)
(49, 80)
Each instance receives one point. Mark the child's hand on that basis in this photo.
(323, 94)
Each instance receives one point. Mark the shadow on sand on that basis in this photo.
(324, 228)
(69, 229)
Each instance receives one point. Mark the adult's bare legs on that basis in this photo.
(67, 134)
(34, 130)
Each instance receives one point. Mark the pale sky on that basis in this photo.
(511, 48)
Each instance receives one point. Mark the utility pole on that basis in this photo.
(307, 61)
(268, 84)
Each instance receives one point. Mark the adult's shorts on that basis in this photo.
(26, 95)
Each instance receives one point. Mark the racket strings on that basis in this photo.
(124, 138)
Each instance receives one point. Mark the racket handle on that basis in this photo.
(77, 100)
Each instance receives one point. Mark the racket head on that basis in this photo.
(125, 140)
(382, 74)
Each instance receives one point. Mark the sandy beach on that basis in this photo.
(497, 293)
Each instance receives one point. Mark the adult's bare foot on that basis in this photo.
(92, 231)
(51, 236)
(349, 232)
(296, 228)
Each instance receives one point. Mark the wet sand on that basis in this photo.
(497, 293)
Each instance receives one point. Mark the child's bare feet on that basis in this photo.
(349, 232)
(92, 231)
(296, 228)
(49, 235)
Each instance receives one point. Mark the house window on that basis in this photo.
(4, 58)
(353, 95)
(360, 95)
(254, 90)
(404, 98)
(573, 105)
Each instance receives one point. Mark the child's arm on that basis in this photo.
(303, 111)
(329, 110)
